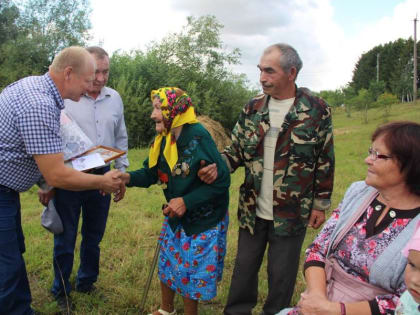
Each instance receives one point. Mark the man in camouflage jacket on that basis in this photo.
(302, 180)
(304, 162)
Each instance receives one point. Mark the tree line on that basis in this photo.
(381, 77)
(194, 59)
(33, 31)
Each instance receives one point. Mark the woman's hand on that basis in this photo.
(317, 304)
(175, 207)
(207, 173)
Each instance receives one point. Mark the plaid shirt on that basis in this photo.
(29, 124)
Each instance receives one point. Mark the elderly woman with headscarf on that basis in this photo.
(193, 244)
(355, 265)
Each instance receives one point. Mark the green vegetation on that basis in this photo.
(194, 60)
(33, 31)
(134, 225)
(369, 89)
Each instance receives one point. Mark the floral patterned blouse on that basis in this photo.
(359, 248)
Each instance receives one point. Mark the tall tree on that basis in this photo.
(395, 67)
(56, 23)
(193, 59)
(9, 14)
(36, 31)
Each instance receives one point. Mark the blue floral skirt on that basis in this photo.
(193, 265)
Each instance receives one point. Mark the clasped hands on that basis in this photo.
(111, 182)
(114, 182)
(316, 304)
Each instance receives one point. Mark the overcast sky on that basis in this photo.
(329, 35)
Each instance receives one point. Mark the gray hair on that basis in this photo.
(99, 52)
(289, 57)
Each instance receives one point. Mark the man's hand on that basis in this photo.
(125, 178)
(119, 195)
(207, 174)
(111, 182)
(175, 207)
(45, 196)
(316, 219)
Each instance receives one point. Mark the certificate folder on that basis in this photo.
(78, 150)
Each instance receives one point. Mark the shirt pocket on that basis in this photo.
(303, 147)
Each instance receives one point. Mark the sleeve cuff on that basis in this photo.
(374, 307)
(313, 263)
(321, 204)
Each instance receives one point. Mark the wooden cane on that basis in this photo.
(152, 268)
(149, 278)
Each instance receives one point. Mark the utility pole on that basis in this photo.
(377, 67)
(415, 63)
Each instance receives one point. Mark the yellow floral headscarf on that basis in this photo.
(177, 110)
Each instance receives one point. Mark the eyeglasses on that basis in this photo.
(375, 155)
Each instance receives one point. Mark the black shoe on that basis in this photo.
(87, 288)
(65, 304)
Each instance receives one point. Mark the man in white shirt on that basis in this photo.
(100, 114)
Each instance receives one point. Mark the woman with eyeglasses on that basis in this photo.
(355, 265)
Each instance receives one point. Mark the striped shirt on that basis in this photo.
(29, 124)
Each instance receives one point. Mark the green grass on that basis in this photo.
(134, 224)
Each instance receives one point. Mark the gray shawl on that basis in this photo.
(387, 271)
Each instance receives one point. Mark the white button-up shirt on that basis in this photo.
(102, 120)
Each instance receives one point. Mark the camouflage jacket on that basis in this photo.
(303, 170)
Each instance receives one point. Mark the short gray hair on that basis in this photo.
(289, 57)
(99, 52)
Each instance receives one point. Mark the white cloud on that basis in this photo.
(130, 24)
(251, 25)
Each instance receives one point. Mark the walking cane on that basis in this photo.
(152, 268)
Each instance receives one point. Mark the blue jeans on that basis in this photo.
(15, 295)
(94, 208)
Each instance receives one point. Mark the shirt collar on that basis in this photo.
(104, 93)
(53, 88)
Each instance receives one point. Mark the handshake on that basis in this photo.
(113, 182)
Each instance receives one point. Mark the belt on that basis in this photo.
(7, 189)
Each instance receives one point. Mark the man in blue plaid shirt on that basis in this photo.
(30, 146)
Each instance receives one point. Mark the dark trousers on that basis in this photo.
(15, 295)
(94, 208)
(282, 267)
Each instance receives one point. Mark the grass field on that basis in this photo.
(134, 224)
